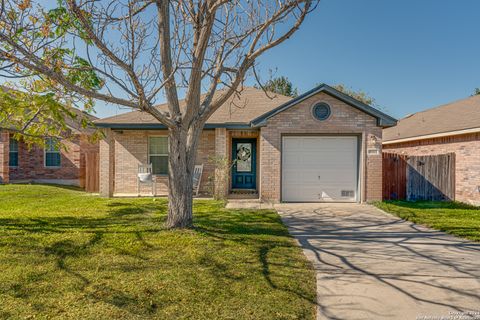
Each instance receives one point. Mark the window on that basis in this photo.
(13, 155)
(244, 157)
(158, 154)
(52, 153)
(321, 111)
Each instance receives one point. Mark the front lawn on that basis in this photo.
(456, 218)
(66, 254)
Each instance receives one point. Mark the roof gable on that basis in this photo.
(383, 119)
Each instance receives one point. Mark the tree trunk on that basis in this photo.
(181, 164)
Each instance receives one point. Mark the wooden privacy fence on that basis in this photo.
(92, 171)
(394, 176)
(418, 177)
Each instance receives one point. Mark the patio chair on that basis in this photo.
(197, 178)
(145, 176)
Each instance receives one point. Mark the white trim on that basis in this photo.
(435, 135)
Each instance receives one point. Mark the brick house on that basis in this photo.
(49, 164)
(320, 146)
(449, 128)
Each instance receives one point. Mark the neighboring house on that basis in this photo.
(450, 128)
(51, 164)
(320, 146)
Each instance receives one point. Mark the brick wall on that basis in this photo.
(31, 163)
(222, 154)
(467, 160)
(131, 149)
(343, 120)
(107, 164)
(223, 148)
(4, 150)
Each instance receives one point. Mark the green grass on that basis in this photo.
(456, 218)
(69, 255)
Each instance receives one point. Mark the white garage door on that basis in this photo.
(320, 168)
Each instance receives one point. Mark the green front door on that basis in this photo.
(244, 155)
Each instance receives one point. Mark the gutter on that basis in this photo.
(434, 135)
(154, 126)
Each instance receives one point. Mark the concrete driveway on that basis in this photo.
(371, 265)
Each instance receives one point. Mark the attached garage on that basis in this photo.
(320, 168)
(321, 146)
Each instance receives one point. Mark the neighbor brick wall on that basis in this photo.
(299, 120)
(4, 150)
(131, 149)
(31, 163)
(467, 160)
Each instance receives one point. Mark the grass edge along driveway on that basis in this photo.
(456, 218)
(66, 254)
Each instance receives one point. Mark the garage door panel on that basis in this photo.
(291, 157)
(295, 177)
(313, 194)
(319, 168)
(296, 144)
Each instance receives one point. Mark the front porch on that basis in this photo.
(225, 176)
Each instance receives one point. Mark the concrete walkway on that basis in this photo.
(254, 204)
(371, 265)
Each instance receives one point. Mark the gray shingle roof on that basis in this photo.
(459, 115)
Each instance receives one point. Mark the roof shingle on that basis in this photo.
(238, 109)
(459, 115)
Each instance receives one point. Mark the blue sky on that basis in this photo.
(409, 55)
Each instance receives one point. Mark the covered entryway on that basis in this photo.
(320, 169)
(244, 170)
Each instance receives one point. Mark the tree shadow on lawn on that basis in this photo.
(67, 248)
(264, 230)
(261, 231)
(118, 215)
(456, 218)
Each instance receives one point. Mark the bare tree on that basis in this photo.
(134, 53)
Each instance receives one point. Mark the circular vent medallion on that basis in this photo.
(321, 111)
